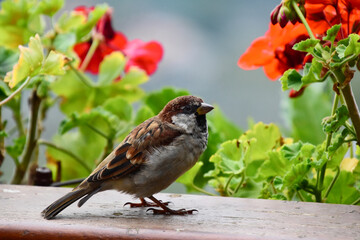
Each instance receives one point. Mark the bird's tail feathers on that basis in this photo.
(56, 207)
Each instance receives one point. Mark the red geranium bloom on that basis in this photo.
(143, 55)
(111, 41)
(321, 15)
(274, 50)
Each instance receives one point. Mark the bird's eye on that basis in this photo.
(187, 109)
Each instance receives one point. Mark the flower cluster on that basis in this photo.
(284, 13)
(275, 47)
(145, 55)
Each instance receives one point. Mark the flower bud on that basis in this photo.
(295, 94)
(282, 18)
(274, 14)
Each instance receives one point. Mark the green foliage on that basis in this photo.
(32, 63)
(261, 164)
(80, 93)
(307, 45)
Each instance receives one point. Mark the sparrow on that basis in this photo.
(149, 159)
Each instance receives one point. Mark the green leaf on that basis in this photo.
(353, 46)
(340, 49)
(297, 174)
(29, 63)
(54, 64)
(72, 91)
(331, 33)
(291, 151)
(217, 123)
(291, 79)
(344, 190)
(312, 72)
(265, 138)
(120, 107)
(97, 118)
(229, 159)
(85, 144)
(80, 97)
(275, 165)
(111, 68)
(134, 77)
(307, 45)
(158, 99)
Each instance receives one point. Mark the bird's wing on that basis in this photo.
(133, 151)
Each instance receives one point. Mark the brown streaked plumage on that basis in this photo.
(149, 159)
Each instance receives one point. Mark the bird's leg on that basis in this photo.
(145, 203)
(167, 211)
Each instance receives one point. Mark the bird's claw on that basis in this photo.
(169, 211)
(144, 204)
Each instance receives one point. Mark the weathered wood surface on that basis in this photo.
(104, 217)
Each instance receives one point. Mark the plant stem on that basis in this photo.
(18, 118)
(15, 92)
(328, 141)
(240, 183)
(81, 77)
(347, 93)
(226, 188)
(202, 190)
(332, 182)
(31, 140)
(357, 201)
(90, 53)
(98, 132)
(302, 18)
(300, 196)
(67, 152)
(353, 110)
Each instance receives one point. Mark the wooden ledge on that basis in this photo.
(104, 217)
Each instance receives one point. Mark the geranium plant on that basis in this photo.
(307, 42)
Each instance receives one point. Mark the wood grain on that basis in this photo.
(104, 217)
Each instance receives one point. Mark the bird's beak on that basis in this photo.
(204, 109)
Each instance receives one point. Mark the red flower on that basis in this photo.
(143, 55)
(321, 15)
(274, 50)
